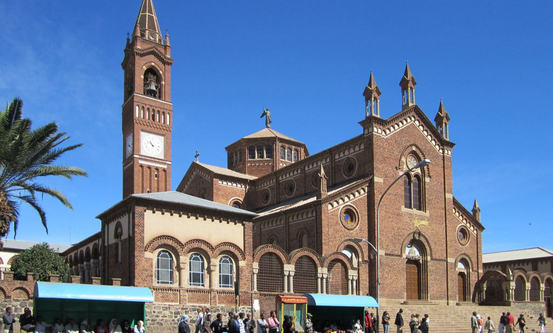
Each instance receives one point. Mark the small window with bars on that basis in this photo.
(196, 270)
(225, 272)
(164, 268)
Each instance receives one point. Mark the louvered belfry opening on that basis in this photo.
(271, 275)
(305, 276)
(337, 278)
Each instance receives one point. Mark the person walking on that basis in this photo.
(8, 319)
(183, 324)
(386, 321)
(273, 322)
(489, 326)
(368, 323)
(262, 325)
(199, 321)
(424, 325)
(510, 323)
(399, 321)
(474, 323)
(521, 323)
(206, 324)
(217, 325)
(502, 322)
(541, 323)
(308, 324)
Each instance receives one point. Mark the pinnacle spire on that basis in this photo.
(372, 97)
(407, 85)
(476, 210)
(147, 22)
(442, 120)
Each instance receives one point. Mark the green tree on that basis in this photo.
(25, 157)
(41, 260)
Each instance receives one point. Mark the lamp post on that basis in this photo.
(419, 165)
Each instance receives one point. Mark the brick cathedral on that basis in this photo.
(277, 220)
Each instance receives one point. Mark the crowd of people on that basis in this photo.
(28, 323)
(236, 323)
(506, 323)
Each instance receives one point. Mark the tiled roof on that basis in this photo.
(190, 200)
(523, 254)
(269, 133)
(226, 172)
(12, 244)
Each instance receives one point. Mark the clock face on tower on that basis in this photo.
(152, 145)
(128, 145)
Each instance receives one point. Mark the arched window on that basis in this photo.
(417, 204)
(534, 289)
(152, 86)
(225, 272)
(520, 289)
(296, 155)
(289, 154)
(305, 278)
(271, 275)
(164, 268)
(337, 278)
(407, 191)
(282, 153)
(196, 270)
(351, 253)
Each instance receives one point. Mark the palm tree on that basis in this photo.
(26, 156)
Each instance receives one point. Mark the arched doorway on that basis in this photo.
(463, 280)
(520, 289)
(548, 297)
(415, 271)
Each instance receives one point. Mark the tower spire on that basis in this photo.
(372, 98)
(476, 210)
(147, 23)
(407, 85)
(442, 120)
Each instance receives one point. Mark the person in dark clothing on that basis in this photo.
(424, 325)
(521, 322)
(126, 326)
(374, 322)
(27, 321)
(399, 320)
(183, 325)
(217, 325)
(249, 324)
(230, 323)
(287, 325)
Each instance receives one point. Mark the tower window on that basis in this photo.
(251, 152)
(296, 155)
(289, 154)
(268, 151)
(282, 153)
(152, 84)
(260, 152)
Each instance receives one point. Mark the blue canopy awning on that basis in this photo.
(341, 300)
(92, 292)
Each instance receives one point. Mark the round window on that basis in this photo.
(266, 196)
(290, 188)
(462, 235)
(349, 217)
(349, 167)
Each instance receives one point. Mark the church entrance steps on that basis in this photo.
(456, 317)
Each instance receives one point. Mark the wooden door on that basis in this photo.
(412, 279)
(462, 286)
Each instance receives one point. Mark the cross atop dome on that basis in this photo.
(147, 25)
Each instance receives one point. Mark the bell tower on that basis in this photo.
(147, 117)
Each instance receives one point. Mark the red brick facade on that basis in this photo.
(309, 209)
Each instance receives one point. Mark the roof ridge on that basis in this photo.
(512, 250)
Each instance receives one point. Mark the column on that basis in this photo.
(182, 274)
(325, 276)
(542, 291)
(255, 270)
(213, 276)
(355, 285)
(291, 283)
(286, 281)
(319, 277)
(527, 292)
(350, 282)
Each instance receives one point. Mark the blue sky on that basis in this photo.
(491, 62)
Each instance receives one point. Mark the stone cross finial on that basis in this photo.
(196, 156)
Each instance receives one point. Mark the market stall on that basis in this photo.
(339, 311)
(91, 302)
(294, 306)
